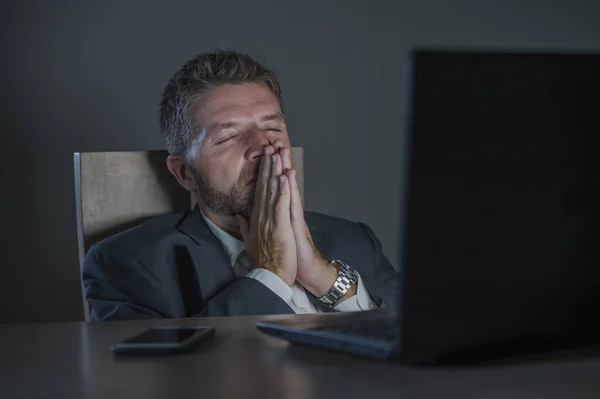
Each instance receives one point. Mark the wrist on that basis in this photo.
(321, 279)
(285, 277)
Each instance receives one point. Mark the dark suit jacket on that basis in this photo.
(172, 266)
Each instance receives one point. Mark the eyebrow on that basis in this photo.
(272, 117)
(216, 127)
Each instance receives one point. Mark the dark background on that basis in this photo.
(87, 76)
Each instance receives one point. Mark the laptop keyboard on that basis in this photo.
(381, 330)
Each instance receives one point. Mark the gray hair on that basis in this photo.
(195, 78)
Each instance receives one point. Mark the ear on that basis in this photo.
(182, 172)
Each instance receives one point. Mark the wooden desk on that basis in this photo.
(73, 360)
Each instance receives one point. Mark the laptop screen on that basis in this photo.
(502, 221)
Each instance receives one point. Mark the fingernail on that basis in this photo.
(282, 179)
(274, 159)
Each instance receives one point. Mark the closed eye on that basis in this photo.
(226, 139)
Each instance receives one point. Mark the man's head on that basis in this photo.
(216, 115)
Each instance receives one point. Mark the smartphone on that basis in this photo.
(165, 340)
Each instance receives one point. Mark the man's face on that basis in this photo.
(233, 125)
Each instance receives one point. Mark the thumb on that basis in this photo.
(244, 227)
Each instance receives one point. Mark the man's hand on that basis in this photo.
(268, 235)
(315, 272)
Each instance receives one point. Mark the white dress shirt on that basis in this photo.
(295, 295)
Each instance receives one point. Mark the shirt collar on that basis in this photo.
(233, 247)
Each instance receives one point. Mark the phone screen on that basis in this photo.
(164, 335)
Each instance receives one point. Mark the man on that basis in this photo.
(248, 247)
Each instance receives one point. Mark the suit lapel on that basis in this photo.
(194, 226)
(209, 251)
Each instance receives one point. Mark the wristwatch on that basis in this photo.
(347, 278)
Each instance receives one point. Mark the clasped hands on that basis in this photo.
(276, 236)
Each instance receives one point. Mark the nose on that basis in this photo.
(259, 140)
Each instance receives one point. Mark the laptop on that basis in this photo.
(500, 249)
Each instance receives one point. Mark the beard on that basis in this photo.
(238, 200)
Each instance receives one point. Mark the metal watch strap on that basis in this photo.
(347, 278)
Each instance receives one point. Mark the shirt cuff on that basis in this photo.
(356, 303)
(272, 282)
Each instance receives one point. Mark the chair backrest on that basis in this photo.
(118, 190)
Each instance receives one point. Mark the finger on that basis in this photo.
(277, 145)
(286, 158)
(282, 204)
(276, 170)
(277, 165)
(296, 210)
(244, 227)
(262, 183)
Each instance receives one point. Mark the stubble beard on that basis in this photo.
(237, 201)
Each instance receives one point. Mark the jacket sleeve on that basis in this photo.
(119, 287)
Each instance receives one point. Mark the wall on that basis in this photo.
(87, 76)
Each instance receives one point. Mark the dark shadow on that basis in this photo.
(188, 281)
(203, 348)
(480, 357)
(511, 355)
